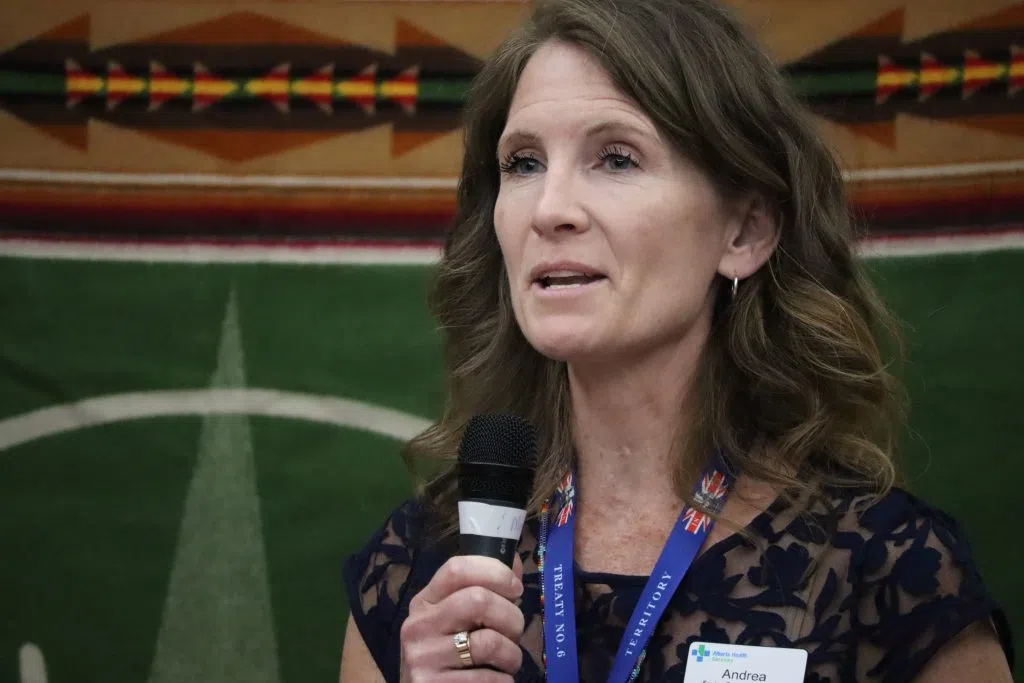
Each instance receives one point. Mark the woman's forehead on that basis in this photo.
(560, 69)
(563, 84)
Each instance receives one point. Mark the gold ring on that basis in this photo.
(461, 640)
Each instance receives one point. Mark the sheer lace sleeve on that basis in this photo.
(916, 587)
(378, 580)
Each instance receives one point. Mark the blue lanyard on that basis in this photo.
(556, 558)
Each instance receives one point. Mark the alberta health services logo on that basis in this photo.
(722, 656)
(701, 653)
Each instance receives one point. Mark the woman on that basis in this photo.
(652, 263)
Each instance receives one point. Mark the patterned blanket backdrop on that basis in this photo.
(216, 223)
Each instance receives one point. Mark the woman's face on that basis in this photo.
(611, 240)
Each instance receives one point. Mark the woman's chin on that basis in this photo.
(565, 346)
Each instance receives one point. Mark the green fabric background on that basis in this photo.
(89, 520)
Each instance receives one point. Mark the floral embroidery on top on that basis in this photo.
(871, 592)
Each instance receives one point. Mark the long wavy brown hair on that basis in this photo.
(793, 385)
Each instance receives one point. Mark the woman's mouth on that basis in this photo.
(567, 280)
(559, 280)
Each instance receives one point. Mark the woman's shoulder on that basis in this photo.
(858, 520)
(903, 573)
(899, 525)
(880, 513)
(405, 523)
(397, 540)
(897, 539)
(382, 575)
(894, 515)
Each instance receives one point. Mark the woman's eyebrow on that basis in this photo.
(621, 127)
(524, 138)
(518, 138)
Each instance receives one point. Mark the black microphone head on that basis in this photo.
(499, 439)
(496, 459)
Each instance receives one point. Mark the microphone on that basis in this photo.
(495, 476)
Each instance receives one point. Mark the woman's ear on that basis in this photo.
(753, 236)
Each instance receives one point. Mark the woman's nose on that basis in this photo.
(559, 207)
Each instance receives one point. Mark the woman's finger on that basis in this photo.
(459, 676)
(490, 648)
(467, 609)
(487, 647)
(474, 608)
(473, 676)
(463, 571)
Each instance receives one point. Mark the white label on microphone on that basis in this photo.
(495, 521)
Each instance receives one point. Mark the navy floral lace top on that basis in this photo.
(870, 592)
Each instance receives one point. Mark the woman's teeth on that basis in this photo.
(568, 281)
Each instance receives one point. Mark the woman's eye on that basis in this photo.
(618, 161)
(518, 164)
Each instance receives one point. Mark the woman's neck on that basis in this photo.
(628, 420)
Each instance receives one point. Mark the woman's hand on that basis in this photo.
(469, 593)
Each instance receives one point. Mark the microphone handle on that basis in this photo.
(503, 549)
(490, 528)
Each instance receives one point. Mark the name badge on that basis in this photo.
(717, 663)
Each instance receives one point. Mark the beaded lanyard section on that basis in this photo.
(542, 545)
